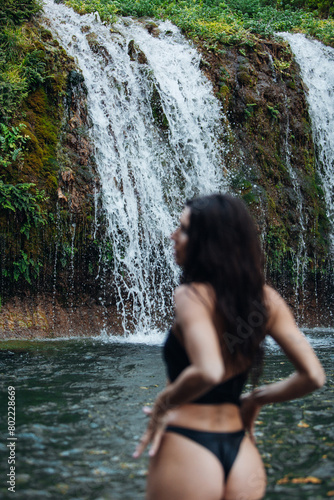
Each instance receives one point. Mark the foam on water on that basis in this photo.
(145, 337)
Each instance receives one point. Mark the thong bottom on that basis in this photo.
(225, 445)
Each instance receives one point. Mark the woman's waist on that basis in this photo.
(216, 418)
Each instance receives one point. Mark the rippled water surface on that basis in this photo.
(78, 416)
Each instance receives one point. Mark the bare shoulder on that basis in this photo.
(280, 317)
(194, 300)
(195, 293)
(273, 300)
(272, 297)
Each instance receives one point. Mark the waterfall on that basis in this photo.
(156, 126)
(316, 62)
(301, 254)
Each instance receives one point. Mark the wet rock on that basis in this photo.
(61, 196)
(152, 28)
(135, 53)
(46, 317)
(67, 177)
(97, 48)
(263, 97)
(46, 35)
(75, 78)
(157, 110)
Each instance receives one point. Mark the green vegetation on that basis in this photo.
(45, 222)
(11, 144)
(16, 12)
(20, 67)
(24, 203)
(229, 21)
(106, 9)
(28, 139)
(321, 7)
(26, 267)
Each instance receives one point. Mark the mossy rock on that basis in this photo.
(244, 78)
(135, 53)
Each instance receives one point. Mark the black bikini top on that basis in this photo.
(177, 360)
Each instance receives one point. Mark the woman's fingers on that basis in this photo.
(145, 439)
(156, 441)
(153, 433)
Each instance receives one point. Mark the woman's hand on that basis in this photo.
(249, 412)
(155, 429)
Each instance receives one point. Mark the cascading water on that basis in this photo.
(316, 62)
(155, 130)
(301, 254)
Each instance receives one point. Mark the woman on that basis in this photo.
(223, 311)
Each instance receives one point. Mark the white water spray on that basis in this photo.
(148, 164)
(316, 62)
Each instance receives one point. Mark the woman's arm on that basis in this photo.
(194, 316)
(309, 374)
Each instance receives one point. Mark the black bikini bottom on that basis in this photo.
(225, 445)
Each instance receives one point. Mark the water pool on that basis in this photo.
(78, 416)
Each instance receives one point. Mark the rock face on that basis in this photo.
(272, 155)
(270, 152)
(42, 316)
(271, 147)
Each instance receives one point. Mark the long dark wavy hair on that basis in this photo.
(224, 250)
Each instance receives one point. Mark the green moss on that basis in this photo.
(27, 258)
(244, 78)
(291, 85)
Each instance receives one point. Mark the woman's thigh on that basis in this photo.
(184, 470)
(247, 477)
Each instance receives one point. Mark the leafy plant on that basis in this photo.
(19, 71)
(11, 144)
(21, 200)
(230, 22)
(106, 9)
(11, 96)
(26, 267)
(249, 109)
(10, 42)
(68, 251)
(322, 7)
(33, 69)
(15, 12)
(273, 111)
(249, 7)
(281, 66)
